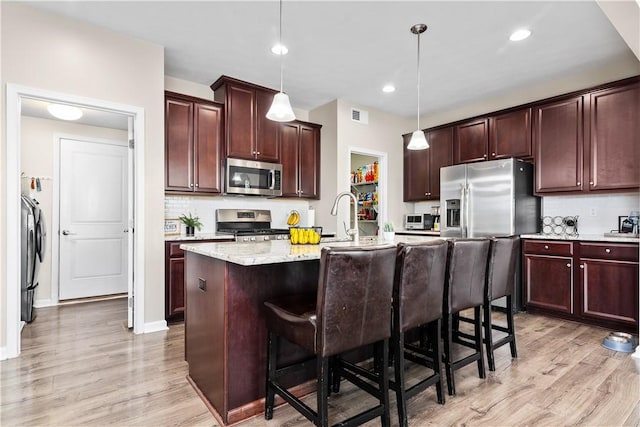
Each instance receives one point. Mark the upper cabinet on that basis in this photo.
(422, 167)
(558, 141)
(248, 133)
(614, 142)
(510, 135)
(472, 141)
(300, 158)
(193, 144)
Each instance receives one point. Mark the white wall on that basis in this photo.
(49, 52)
(38, 148)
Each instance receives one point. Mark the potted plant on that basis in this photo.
(191, 222)
(387, 232)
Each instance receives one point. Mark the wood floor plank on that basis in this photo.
(81, 366)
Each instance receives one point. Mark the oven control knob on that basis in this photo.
(246, 239)
(253, 239)
(265, 238)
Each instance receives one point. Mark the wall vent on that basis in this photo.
(360, 116)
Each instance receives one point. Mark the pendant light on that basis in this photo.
(418, 140)
(281, 110)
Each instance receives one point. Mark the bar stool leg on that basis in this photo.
(510, 327)
(398, 363)
(488, 336)
(272, 351)
(478, 338)
(382, 350)
(323, 392)
(451, 386)
(434, 329)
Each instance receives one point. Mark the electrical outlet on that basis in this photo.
(594, 212)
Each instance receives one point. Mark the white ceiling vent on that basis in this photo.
(360, 116)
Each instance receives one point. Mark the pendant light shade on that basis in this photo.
(418, 139)
(281, 110)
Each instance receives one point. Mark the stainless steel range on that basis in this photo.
(248, 225)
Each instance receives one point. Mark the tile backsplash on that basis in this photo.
(205, 208)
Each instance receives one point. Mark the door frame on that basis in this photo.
(55, 221)
(382, 177)
(11, 163)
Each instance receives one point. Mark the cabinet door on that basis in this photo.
(610, 290)
(510, 135)
(240, 111)
(208, 148)
(416, 173)
(178, 146)
(175, 290)
(615, 138)
(440, 155)
(558, 141)
(549, 282)
(289, 150)
(267, 148)
(309, 171)
(472, 141)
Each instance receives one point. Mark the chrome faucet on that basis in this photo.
(352, 232)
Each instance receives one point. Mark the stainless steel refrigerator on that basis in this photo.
(493, 198)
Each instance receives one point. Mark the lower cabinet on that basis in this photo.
(174, 278)
(590, 282)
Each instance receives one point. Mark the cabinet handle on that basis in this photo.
(484, 156)
(301, 191)
(197, 185)
(578, 183)
(546, 246)
(493, 154)
(569, 265)
(608, 250)
(590, 182)
(426, 194)
(582, 266)
(190, 185)
(258, 153)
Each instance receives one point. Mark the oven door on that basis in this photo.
(253, 178)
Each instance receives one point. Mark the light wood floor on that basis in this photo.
(80, 366)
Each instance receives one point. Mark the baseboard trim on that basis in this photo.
(41, 303)
(160, 325)
(3, 353)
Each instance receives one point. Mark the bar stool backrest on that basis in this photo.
(466, 273)
(354, 298)
(419, 283)
(502, 266)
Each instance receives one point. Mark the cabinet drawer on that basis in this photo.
(613, 251)
(548, 247)
(175, 251)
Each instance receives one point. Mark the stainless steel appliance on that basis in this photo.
(32, 250)
(248, 225)
(493, 198)
(253, 178)
(419, 221)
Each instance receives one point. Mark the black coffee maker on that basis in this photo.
(630, 224)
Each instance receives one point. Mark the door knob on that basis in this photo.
(67, 233)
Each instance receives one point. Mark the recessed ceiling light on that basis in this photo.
(64, 112)
(519, 35)
(279, 49)
(389, 89)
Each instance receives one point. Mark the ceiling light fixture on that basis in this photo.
(64, 112)
(281, 110)
(418, 139)
(279, 49)
(518, 35)
(389, 89)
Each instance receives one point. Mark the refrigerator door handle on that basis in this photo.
(463, 210)
(469, 225)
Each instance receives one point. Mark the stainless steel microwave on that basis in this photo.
(253, 178)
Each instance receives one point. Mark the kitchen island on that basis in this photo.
(225, 337)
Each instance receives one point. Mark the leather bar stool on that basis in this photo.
(417, 301)
(464, 289)
(352, 308)
(501, 272)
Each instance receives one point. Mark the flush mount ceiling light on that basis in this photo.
(279, 49)
(418, 139)
(281, 110)
(518, 35)
(389, 89)
(64, 112)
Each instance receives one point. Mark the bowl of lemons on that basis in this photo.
(305, 235)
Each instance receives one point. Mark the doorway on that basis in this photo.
(368, 183)
(16, 95)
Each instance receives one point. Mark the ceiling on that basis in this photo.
(350, 49)
(90, 116)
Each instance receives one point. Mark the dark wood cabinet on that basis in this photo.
(193, 145)
(592, 282)
(510, 135)
(471, 141)
(558, 142)
(174, 297)
(422, 167)
(248, 133)
(614, 142)
(300, 158)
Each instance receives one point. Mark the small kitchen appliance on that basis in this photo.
(630, 224)
(248, 225)
(252, 178)
(419, 221)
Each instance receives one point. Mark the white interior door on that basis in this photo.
(93, 219)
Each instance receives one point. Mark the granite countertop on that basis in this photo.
(419, 232)
(583, 238)
(278, 251)
(198, 236)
